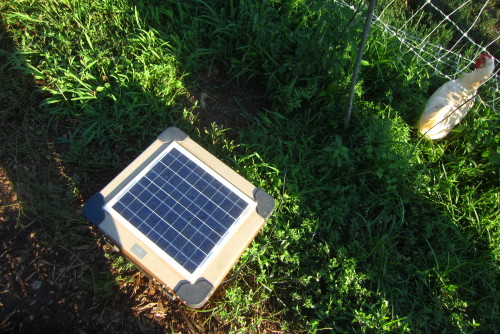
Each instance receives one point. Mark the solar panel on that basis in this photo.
(181, 207)
(181, 215)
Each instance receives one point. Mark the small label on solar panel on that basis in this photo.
(181, 209)
(138, 251)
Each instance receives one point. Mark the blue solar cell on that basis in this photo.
(127, 199)
(214, 237)
(154, 203)
(226, 221)
(205, 229)
(170, 249)
(209, 207)
(181, 259)
(120, 207)
(188, 231)
(170, 217)
(179, 242)
(166, 175)
(136, 190)
(198, 238)
(159, 168)
(218, 197)
(127, 214)
(206, 245)
(225, 191)
(206, 176)
(194, 167)
(135, 220)
(192, 178)
(202, 186)
(178, 224)
(160, 228)
(152, 189)
(175, 165)
(144, 228)
(218, 214)
(181, 208)
(162, 243)
(184, 201)
(226, 204)
(135, 205)
(190, 266)
(160, 181)
(167, 200)
(200, 200)
(192, 195)
(193, 208)
(184, 187)
(214, 225)
(144, 182)
(197, 256)
(235, 211)
(184, 172)
(189, 248)
(153, 236)
(197, 224)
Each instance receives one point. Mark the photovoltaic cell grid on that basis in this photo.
(181, 208)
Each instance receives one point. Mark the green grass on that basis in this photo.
(375, 230)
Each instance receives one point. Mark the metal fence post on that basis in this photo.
(366, 30)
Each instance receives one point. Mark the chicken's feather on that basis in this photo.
(432, 125)
(445, 109)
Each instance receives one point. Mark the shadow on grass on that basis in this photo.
(56, 275)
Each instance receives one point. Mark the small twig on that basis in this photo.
(66, 269)
(30, 276)
(191, 327)
(5, 321)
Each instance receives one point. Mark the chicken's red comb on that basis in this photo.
(480, 60)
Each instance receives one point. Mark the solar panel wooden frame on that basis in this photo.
(192, 288)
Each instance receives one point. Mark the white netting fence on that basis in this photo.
(450, 60)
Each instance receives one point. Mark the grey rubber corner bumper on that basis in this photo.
(194, 295)
(265, 203)
(93, 209)
(172, 134)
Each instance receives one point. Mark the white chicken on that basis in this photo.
(451, 102)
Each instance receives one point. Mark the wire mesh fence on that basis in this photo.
(446, 39)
